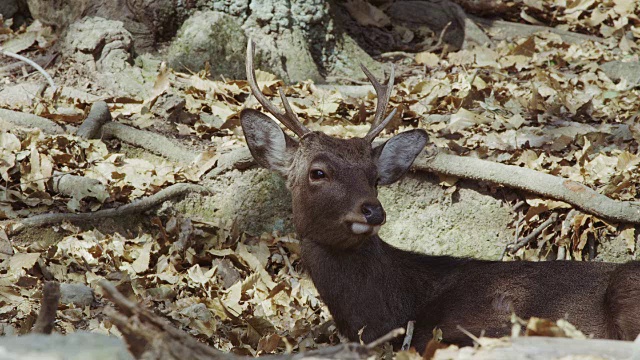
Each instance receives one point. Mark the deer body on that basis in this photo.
(372, 286)
(480, 296)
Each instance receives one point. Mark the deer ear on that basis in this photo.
(395, 156)
(269, 145)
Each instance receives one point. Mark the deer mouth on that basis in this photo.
(359, 228)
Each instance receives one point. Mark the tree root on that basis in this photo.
(78, 187)
(150, 141)
(20, 119)
(150, 337)
(98, 116)
(504, 30)
(532, 181)
(135, 207)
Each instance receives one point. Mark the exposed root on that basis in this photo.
(135, 207)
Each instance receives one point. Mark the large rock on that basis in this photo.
(618, 70)
(105, 46)
(8, 8)
(76, 346)
(423, 218)
(420, 215)
(210, 36)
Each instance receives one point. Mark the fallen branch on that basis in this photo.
(150, 337)
(43, 61)
(48, 308)
(32, 63)
(504, 30)
(533, 235)
(571, 192)
(135, 207)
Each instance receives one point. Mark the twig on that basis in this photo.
(286, 261)
(534, 234)
(48, 307)
(396, 53)
(440, 38)
(466, 332)
(384, 338)
(32, 63)
(135, 207)
(406, 343)
(518, 205)
(516, 236)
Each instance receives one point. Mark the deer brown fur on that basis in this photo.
(372, 286)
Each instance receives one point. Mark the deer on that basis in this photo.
(371, 287)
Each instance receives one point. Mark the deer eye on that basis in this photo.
(317, 174)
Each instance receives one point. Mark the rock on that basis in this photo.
(76, 346)
(255, 199)
(423, 218)
(239, 159)
(617, 70)
(210, 36)
(169, 107)
(420, 215)
(104, 41)
(105, 46)
(77, 294)
(298, 40)
(8, 8)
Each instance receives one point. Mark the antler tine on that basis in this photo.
(383, 93)
(288, 118)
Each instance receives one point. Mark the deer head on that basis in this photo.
(333, 181)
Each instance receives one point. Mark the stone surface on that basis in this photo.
(78, 294)
(420, 216)
(210, 36)
(423, 218)
(617, 70)
(256, 200)
(76, 346)
(8, 8)
(105, 46)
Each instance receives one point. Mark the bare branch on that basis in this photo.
(32, 63)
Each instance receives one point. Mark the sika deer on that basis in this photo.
(368, 284)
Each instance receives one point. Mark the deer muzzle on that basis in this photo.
(367, 220)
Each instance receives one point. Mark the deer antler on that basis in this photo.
(384, 94)
(288, 118)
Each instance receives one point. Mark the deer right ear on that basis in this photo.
(269, 145)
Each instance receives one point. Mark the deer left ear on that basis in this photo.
(269, 145)
(395, 156)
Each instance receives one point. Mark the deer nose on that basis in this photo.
(374, 213)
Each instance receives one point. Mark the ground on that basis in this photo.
(224, 266)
